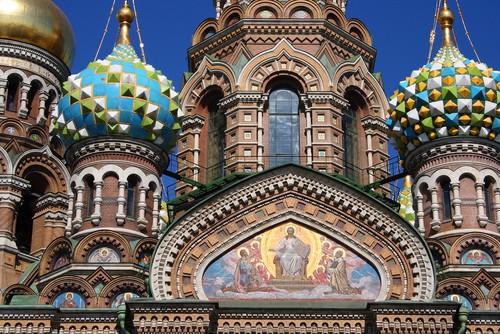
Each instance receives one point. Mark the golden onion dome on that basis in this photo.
(40, 23)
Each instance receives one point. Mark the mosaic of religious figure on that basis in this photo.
(104, 255)
(476, 256)
(69, 300)
(61, 261)
(145, 259)
(291, 262)
(122, 298)
(460, 299)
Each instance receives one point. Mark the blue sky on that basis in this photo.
(400, 31)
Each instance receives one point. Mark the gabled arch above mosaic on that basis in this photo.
(292, 233)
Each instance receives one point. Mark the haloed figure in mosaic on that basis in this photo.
(291, 256)
(337, 273)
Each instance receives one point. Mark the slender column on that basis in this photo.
(8, 208)
(196, 154)
(156, 214)
(420, 214)
(41, 119)
(120, 215)
(260, 136)
(481, 210)
(436, 222)
(77, 222)
(69, 218)
(309, 152)
(23, 109)
(369, 153)
(497, 207)
(217, 8)
(96, 216)
(457, 218)
(3, 94)
(141, 220)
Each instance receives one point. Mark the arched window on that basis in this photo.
(132, 196)
(284, 127)
(445, 198)
(216, 135)
(489, 198)
(13, 85)
(33, 97)
(351, 135)
(89, 196)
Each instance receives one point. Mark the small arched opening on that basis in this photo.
(13, 92)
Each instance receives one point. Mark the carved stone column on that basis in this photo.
(23, 108)
(436, 222)
(12, 188)
(260, 134)
(3, 97)
(77, 222)
(369, 153)
(41, 119)
(120, 214)
(309, 148)
(196, 154)
(457, 218)
(497, 207)
(141, 220)
(69, 218)
(96, 216)
(156, 214)
(420, 214)
(481, 209)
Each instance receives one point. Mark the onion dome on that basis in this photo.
(40, 23)
(451, 96)
(118, 96)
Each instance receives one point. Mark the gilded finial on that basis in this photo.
(125, 18)
(446, 19)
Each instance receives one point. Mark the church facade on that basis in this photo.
(286, 217)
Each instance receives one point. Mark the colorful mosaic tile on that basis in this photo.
(451, 96)
(118, 96)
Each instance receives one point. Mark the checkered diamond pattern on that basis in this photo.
(451, 96)
(118, 96)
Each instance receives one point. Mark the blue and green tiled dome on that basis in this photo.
(118, 96)
(451, 96)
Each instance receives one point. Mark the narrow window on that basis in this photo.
(284, 127)
(445, 186)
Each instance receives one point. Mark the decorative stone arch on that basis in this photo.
(38, 78)
(209, 73)
(70, 284)
(337, 14)
(43, 160)
(38, 130)
(145, 245)
(15, 290)
(462, 286)
(475, 239)
(317, 201)
(255, 6)
(5, 162)
(284, 59)
(310, 5)
(121, 285)
(494, 296)
(356, 74)
(204, 26)
(439, 249)
(53, 250)
(355, 26)
(17, 124)
(77, 179)
(11, 71)
(227, 15)
(98, 238)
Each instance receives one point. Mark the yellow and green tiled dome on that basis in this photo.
(451, 96)
(118, 96)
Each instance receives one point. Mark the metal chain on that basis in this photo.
(432, 36)
(141, 43)
(467, 31)
(105, 30)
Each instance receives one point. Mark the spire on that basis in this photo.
(125, 18)
(446, 19)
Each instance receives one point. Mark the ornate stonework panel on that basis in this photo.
(318, 204)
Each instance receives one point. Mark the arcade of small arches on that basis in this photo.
(229, 14)
(115, 197)
(450, 195)
(29, 98)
